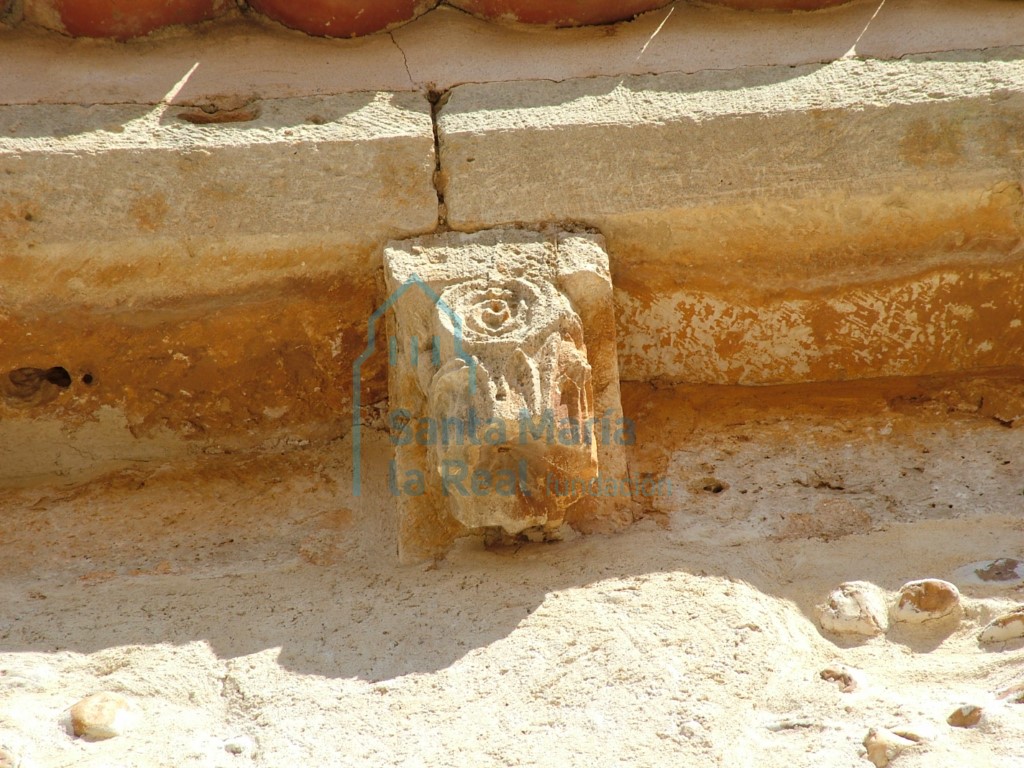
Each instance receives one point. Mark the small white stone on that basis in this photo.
(691, 729)
(240, 745)
(1009, 626)
(104, 716)
(926, 600)
(855, 607)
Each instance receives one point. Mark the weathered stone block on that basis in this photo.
(112, 204)
(773, 224)
(205, 285)
(504, 391)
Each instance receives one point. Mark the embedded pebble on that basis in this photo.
(691, 729)
(926, 600)
(104, 716)
(1002, 572)
(966, 716)
(240, 745)
(7, 759)
(883, 745)
(1009, 626)
(855, 607)
(849, 679)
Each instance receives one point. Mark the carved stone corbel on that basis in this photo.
(504, 390)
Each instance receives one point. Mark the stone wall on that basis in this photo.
(198, 243)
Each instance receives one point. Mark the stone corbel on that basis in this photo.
(504, 396)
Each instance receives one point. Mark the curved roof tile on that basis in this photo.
(123, 19)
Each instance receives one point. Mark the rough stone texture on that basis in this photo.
(208, 281)
(484, 329)
(104, 716)
(254, 594)
(854, 608)
(116, 204)
(1014, 694)
(240, 745)
(848, 678)
(830, 518)
(1005, 406)
(217, 299)
(926, 600)
(728, 276)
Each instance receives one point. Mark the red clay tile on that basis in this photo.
(778, 5)
(119, 18)
(342, 18)
(562, 13)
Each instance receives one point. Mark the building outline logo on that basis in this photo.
(371, 348)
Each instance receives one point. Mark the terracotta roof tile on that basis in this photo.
(123, 19)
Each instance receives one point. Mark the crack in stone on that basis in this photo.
(405, 59)
(437, 101)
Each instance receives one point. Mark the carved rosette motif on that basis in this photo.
(529, 369)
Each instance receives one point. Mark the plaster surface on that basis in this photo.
(446, 47)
